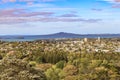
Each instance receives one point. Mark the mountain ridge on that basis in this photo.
(59, 35)
(64, 33)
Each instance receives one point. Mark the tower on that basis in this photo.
(85, 39)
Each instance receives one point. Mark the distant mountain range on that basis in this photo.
(60, 35)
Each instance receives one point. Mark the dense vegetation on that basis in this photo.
(50, 60)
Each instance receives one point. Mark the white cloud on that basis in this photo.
(111, 1)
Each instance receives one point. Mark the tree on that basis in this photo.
(16, 69)
(60, 64)
(53, 73)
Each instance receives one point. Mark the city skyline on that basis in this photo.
(38, 17)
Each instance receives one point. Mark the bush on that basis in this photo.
(53, 73)
(60, 64)
(16, 69)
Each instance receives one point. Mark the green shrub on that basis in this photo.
(60, 64)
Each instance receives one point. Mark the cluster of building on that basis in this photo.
(71, 45)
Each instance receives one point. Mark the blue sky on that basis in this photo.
(36, 17)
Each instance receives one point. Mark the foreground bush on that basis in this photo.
(16, 69)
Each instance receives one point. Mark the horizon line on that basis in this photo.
(58, 33)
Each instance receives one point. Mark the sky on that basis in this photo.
(37, 17)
